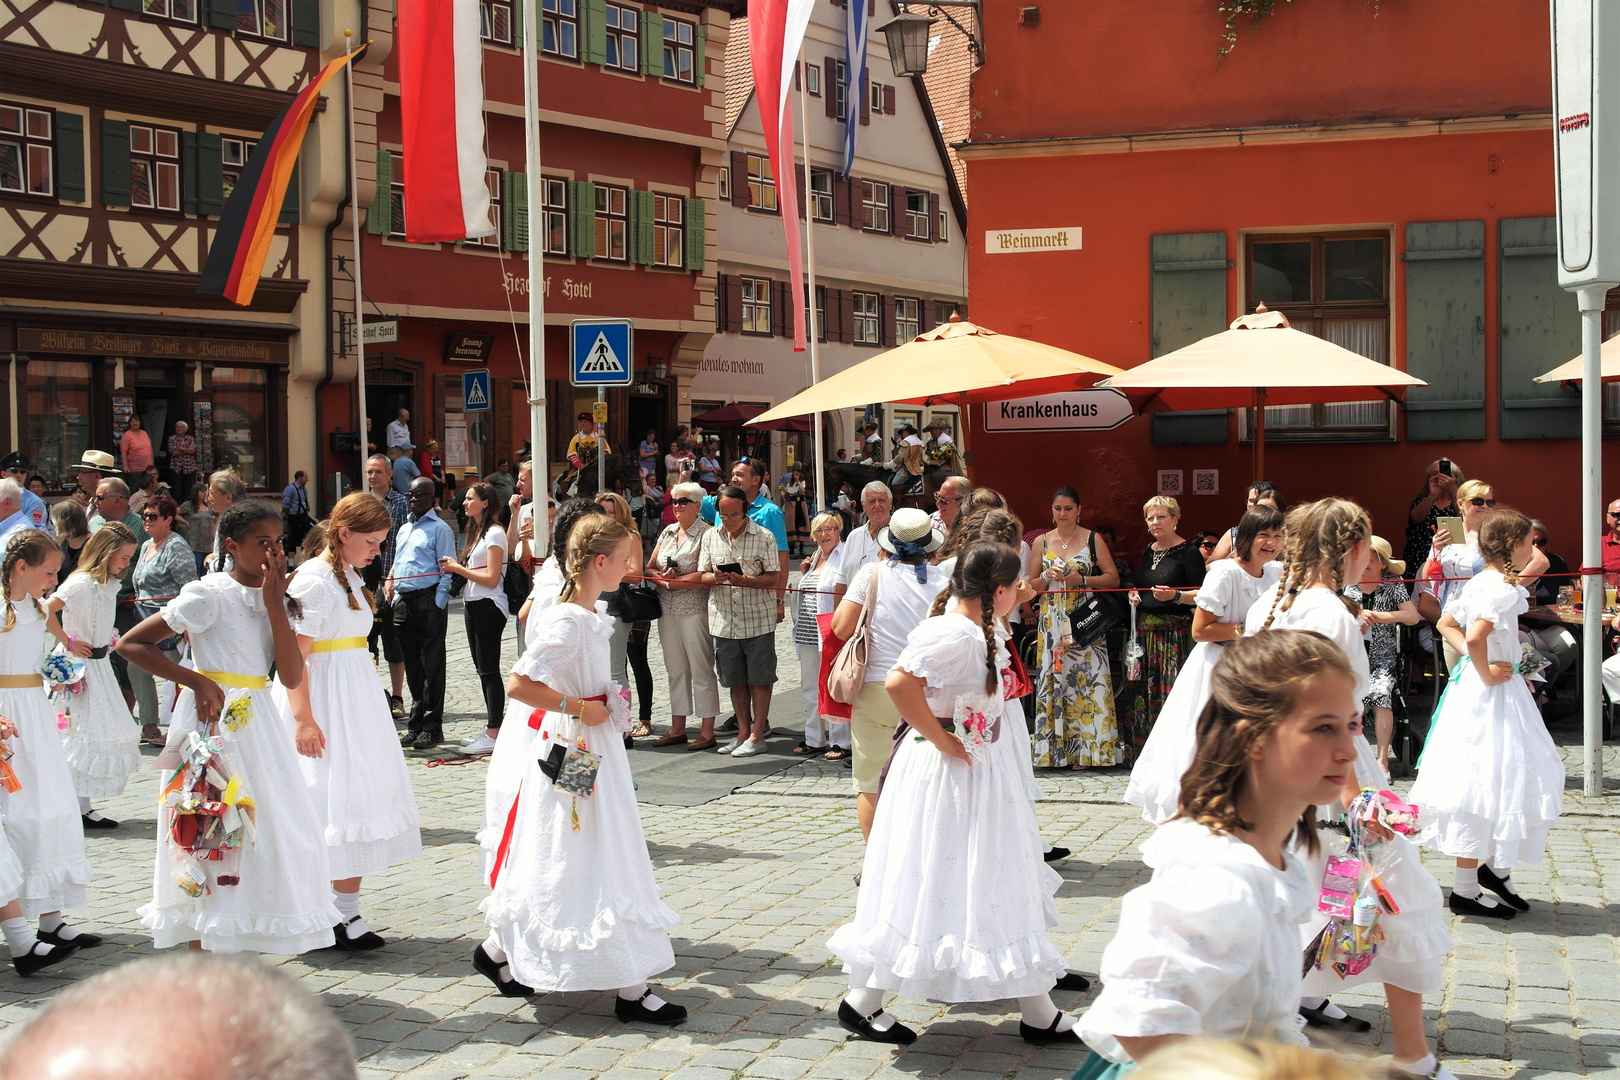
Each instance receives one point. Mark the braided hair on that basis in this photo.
(592, 537)
(568, 515)
(234, 524)
(358, 511)
(1317, 537)
(983, 568)
(1503, 530)
(30, 547)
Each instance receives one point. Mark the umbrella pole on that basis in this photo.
(961, 435)
(1259, 432)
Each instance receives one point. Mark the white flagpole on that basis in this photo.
(363, 436)
(540, 474)
(821, 500)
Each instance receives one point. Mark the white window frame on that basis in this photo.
(253, 23)
(756, 306)
(623, 42)
(554, 213)
(821, 199)
(162, 164)
(680, 43)
(491, 27)
(907, 318)
(812, 79)
(867, 329)
(234, 154)
(875, 207)
(492, 181)
(21, 132)
(181, 11)
(724, 182)
(559, 23)
(612, 209)
(396, 194)
(669, 231)
(917, 219)
(761, 184)
(841, 92)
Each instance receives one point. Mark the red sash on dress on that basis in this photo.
(536, 718)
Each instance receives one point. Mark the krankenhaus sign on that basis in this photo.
(1027, 241)
(1077, 410)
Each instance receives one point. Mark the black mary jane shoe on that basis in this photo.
(364, 943)
(78, 941)
(97, 823)
(1462, 905)
(629, 1011)
(490, 970)
(1074, 982)
(852, 1021)
(1318, 1018)
(31, 962)
(1057, 854)
(1048, 1036)
(1503, 891)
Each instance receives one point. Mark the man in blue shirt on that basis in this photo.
(405, 469)
(418, 593)
(12, 518)
(749, 474)
(16, 465)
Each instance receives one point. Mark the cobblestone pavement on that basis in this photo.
(763, 875)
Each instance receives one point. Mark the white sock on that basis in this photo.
(633, 993)
(19, 939)
(1046, 849)
(1466, 885)
(54, 923)
(866, 1001)
(84, 805)
(1422, 1067)
(348, 905)
(1312, 1002)
(1503, 879)
(492, 948)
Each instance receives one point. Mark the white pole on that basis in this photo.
(1591, 300)
(821, 500)
(362, 436)
(540, 474)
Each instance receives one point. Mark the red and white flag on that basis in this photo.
(775, 32)
(441, 99)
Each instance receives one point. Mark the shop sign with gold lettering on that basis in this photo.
(151, 346)
(468, 348)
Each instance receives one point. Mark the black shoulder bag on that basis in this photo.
(1098, 613)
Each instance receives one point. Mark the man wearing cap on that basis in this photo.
(583, 450)
(16, 466)
(405, 469)
(741, 557)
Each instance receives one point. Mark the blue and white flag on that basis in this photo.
(855, 75)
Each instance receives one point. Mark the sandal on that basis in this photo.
(835, 753)
(642, 729)
(804, 749)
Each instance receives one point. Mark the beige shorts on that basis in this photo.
(873, 718)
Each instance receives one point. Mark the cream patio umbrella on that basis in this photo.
(1571, 372)
(1259, 361)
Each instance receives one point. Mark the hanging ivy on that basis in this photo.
(1255, 10)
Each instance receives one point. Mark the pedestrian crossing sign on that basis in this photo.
(475, 390)
(600, 350)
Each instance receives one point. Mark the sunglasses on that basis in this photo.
(682, 502)
(150, 517)
(1207, 544)
(1481, 502)
(1539, 543)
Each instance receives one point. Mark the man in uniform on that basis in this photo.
(583, 450)
(16, 466)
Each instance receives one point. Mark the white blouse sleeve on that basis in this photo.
(76, 589)
(941, 659)
(1184, 939)
(1215, 594)
(555, 649)
(193, 611)
(317, 594)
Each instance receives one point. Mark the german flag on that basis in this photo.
(242, 240)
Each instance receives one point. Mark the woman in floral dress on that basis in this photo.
(1074, 701)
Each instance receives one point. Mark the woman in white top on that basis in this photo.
(683, 629)
(906, 585)
(1458, 562)
(1230, 588)
(483, 604)
(812, 606)
(1210, 946)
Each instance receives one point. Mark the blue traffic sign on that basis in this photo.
(475, 390)
(600, 351)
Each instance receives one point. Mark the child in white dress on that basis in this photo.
(1210, 947)
(42, 821)
(1328, 544)
(238, 623)
(351, 757)
(573, 904)
(1490, 776)
(28, 953)
(955, 901)
(1229, 589)
(102, 740)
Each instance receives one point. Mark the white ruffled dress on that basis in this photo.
(955, 901)
(11, 870)
(578, 909)
(103, 743)
(1491, 779)
(42, 822)
(283, 904)
(1228, 591)
(360, 784)
(1208, 947)
(1417, 940)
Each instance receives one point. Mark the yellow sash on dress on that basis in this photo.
(241, 682)
(19, 682)
(337, 644)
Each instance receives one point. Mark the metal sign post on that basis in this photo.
(600, 355)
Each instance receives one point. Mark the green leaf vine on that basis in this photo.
(1256, 11)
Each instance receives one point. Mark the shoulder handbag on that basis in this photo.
(1096, 614)
(639, 603)
(516, 581)
(848, 672)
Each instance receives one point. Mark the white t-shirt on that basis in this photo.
(1321, 610)
(860, 549)
(902, 605)
(479, 559)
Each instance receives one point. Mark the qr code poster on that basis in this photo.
(1206, 482)
(1170, 482)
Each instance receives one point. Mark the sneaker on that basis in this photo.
(747, 749)
(727, 748)
(729, 725)
(483, 744)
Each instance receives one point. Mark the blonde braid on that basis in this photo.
(1509, 573)
(334, 558)
(9, 563)
(987, 618)
(940, 601)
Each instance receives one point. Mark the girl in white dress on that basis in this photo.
(573, 904)
(1230, 588)
(955, 901)
(351, 759)
(28, 953)
(1328, 543)
(1210, 947)
(42, 820)
(102, 741)
(1491, 775)
(239, 624)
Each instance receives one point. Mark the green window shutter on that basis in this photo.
(582, 219)
(306, 23)
(188, 171)
(1189, 303)
(652, 44)
(210, 175)
(695, 209)
(377, 223)
(1540, 329)
(519, 15)
(701, 45)
(1445, 329)
(115, 162)
(641, 227)
(292, 202)
(69, 156)
(515, 210)
(221, 13)
(593, 31)
(126, 5)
